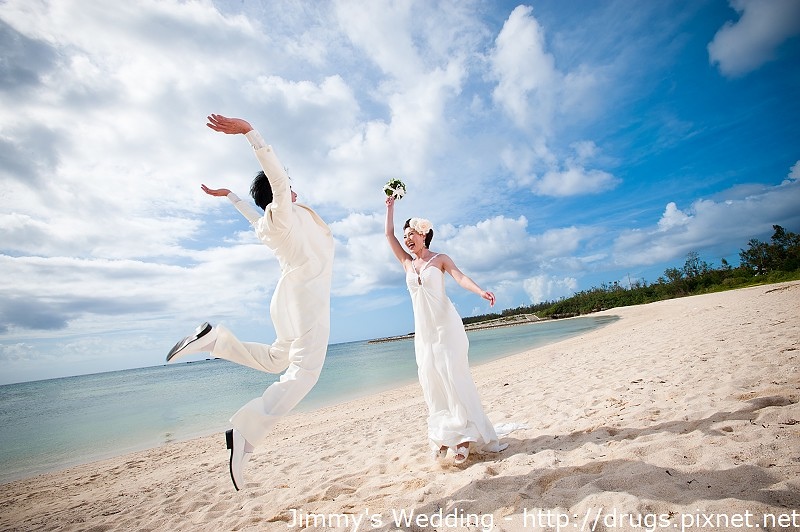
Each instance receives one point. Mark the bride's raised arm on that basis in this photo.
(397, 248)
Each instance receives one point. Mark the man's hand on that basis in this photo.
(219, 192)
(231, 126)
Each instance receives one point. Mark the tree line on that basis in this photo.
(760, 263)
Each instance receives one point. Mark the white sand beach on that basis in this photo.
(681, 415)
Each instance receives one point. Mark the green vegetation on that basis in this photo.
(761, 263)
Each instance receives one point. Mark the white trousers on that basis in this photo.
(301, 361)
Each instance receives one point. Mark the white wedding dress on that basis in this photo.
(455, 413)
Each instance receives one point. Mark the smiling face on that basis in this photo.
(414, 241)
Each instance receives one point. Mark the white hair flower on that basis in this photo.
(420, 225)
(395, 188)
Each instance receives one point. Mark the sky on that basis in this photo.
(555, 146)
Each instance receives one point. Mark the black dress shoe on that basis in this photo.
(183, 347)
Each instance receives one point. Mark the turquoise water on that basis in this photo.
(56, 423)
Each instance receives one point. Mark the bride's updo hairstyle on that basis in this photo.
(415, 227)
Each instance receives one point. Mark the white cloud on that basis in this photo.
(725, 223)
(118, 109)
(381, 31)
(543, 288)
(363, 261)
(557, 179)
(794, 174)
(501, 250)
(18, 352)
(406, 40)
(495, 245)
(530, 88)
(362, 140)
(574, 180)
(745, 45)
(559, 242)
(224, 281)
(526, 72)
(377, 150)
(673, 217)
(329, 106)
(534, 94)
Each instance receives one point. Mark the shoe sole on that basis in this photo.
(180, 346)
(229, 442)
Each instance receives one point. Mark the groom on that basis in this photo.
(300, 307)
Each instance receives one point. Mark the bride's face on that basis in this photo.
(413, 240)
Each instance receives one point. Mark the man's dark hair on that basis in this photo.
(428, 237)
(261, 190)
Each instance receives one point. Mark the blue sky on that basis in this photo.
(554, 145)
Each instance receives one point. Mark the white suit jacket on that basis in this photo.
(303, 244)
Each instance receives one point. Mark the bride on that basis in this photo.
(455, 415)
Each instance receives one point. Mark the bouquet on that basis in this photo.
(395, 188)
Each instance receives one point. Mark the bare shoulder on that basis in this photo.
(443, 261)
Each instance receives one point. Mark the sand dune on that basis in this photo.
(681, 415)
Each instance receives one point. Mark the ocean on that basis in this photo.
(56, 423)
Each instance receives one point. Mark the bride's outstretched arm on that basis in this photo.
(464, 281)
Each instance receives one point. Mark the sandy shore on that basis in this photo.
(683, 414)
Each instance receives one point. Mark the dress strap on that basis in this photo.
(424, 265)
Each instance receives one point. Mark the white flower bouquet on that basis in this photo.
(395, 188)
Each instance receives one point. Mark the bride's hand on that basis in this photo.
(489, 297)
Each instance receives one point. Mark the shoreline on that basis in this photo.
(152, 423)
(496, 323)
(681, 406)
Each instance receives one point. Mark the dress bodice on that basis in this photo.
(426, 279)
